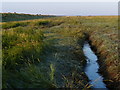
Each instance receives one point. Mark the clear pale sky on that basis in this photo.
(60, 0)
(102, 7)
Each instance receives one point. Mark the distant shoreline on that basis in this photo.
(52, 14)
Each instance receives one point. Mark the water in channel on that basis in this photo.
(91, 69)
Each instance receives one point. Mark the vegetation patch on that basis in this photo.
(7, 17)
(47, 53)
(14, 24)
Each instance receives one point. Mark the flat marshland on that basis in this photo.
(48, 53)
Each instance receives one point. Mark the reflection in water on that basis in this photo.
(91, 70)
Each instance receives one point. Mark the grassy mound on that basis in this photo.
(6, 17)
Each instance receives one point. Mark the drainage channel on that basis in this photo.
(92, 67)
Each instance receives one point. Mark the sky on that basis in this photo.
(59, 0)
(70, 8)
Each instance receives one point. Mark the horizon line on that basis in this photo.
(56, 14)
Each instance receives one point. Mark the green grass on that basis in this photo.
(19, 43)
(7, 17)
(23, 46)
(14, 24)
(48, 52)
(30, 77)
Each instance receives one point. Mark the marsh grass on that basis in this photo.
(52, 72)
(23, 48)
(28, 46)
(21, 44)
(32, 76)
(14, 24)
(8, 17)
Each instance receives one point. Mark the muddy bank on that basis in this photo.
(103, 57)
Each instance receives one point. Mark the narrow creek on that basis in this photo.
(91, 69)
